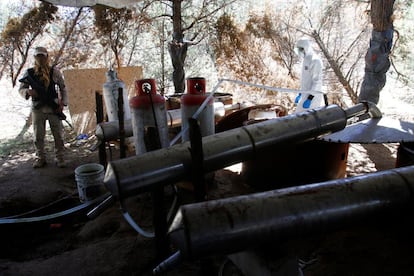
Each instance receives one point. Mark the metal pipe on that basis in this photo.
(270, 88)
(167, 264)
(136, 174)
(370, 109)
(109, 131)
(234, 224)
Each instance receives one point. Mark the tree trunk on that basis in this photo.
(178, 49)
(381, 14)
(68, 35)
(178, 53)
(178, 31)
(377, 60)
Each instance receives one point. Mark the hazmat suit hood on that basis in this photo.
(303, 47)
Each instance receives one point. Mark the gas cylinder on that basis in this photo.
(190, 102)
(111, 93)
(149, 117)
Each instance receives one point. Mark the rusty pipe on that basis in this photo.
(234, 224)
(136, 174)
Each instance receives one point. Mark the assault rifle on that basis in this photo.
(42, 96)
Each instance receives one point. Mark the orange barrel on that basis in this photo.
(148, 114)
(191, 102)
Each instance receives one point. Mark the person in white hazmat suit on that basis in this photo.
(310, 79)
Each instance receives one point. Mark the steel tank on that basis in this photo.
(111, 93)
(149, 117)
(190, 102)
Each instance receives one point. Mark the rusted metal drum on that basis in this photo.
(297, 164)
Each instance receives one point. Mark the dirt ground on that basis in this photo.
(107, 245)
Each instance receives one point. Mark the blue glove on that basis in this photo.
(308, 101)
(298, 98)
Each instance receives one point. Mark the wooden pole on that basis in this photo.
(100, 119)
(122, 146)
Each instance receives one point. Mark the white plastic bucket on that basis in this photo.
(89, 179)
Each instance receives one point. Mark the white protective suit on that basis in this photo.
(311, 78)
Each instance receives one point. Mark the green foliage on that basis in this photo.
(246, 53)
(32, 22)
(112, 25)
(243, 43)
(109, 20)
(19, 35)
(261, 26)
(269, 28)
(229, 37)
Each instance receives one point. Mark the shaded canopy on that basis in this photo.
(88, 3)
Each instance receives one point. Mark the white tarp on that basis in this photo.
(87, 3)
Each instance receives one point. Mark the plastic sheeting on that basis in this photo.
(377, 64)
(374, 130)
(88, 3)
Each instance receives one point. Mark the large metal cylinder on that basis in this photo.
(234, 224)
(109, 131)
(190, 102)
(111, 92)
(148, 110)
(126, 177)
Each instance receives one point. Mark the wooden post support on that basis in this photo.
(122, 147)
(197, 157)
(100, 119)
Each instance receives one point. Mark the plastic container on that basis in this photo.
(89, 179)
